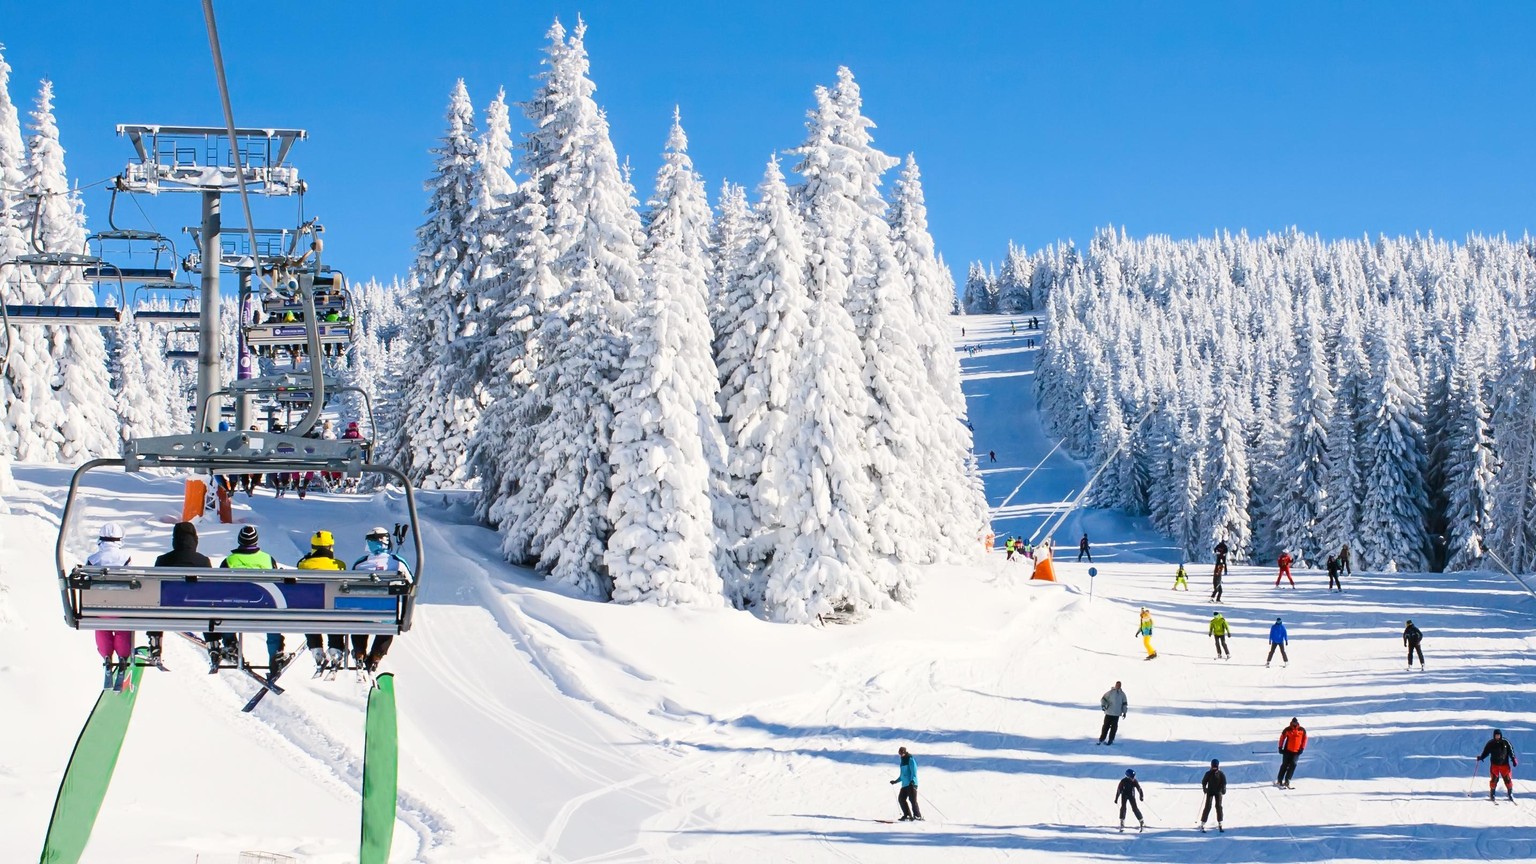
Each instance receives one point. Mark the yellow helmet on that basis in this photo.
(322, 540)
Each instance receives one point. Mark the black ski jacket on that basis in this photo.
(1498, 752)
(183, 549)
(1126, 787)
(1412, 636)
(1214, 782)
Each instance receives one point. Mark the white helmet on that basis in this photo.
(111, 531)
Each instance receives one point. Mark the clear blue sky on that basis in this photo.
(1034, 122)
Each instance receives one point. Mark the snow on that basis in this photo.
(540, 726)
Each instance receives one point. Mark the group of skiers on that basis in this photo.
(116, 646)
(302, 482)
(1337, 564)
(1018, 545)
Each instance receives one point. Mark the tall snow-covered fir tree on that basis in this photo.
(1392, 510)
(432, 438)
(1513, 533)
(733, 226)
(1306, 464)
(82, 378)
(1470, 469)
(143, 382)
(668, 453)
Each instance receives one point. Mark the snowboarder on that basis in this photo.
(1082, 549)
(248, 556)
(907, 797)
(1285, 569)
(322, 556)
(1181, 578)
(1144, 630)
(1344, 559)
(1216, 585)
(1114, 705)
(1277, 639)
(1412, 636)
(1214, 785)
(1501, 758)
(184, 554)
(110, 553)
(1219, 631)
(1126, 793)
(1333, 573)
(1293, 742)
(1221, 557)
(380, 560)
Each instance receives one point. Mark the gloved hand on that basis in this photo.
(894, 782)
(1299, 752)
(1280, 750)
(1125, 712)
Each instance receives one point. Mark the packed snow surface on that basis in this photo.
(535, 726)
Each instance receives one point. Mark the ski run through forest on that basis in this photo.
(650, 428)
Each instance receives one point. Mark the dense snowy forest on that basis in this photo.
(659, 405)
(1285, 393)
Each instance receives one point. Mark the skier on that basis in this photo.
(1219, 631)
(1008, 548)
(1285, 569)
(1181, 578)
(1277, 639)
(1333, 573)
(248, 556)
(1215, 586)
(1293, 743)
(184, 554)
(1082, 549)
(1144, 630)
(1412, 636)
(322, 556)
(1221, 558)
(1114, 705)
(1501, 757)
(380, 560)
(1344, 559)
(992, 454)
(1126, 793)
(907, 797)
(110, 553)
(1214, 785)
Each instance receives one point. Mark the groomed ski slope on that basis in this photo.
(540, 727)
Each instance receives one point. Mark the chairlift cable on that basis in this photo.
(229, 120)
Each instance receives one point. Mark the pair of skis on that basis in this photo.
(268, 682)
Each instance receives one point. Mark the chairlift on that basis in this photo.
(239, 601)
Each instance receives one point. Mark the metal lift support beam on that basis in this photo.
(64, 316)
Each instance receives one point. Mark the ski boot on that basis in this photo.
(319, 655)
(1220, 829)
(1490, 794)
(1509, 794)
(1141, 824)
(1202, 827)
(1122, 826)
(108, 672)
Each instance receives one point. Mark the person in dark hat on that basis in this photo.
(1214, 785)
(1126, 793)
(249, 556)
(1501, 758)
(184, 554)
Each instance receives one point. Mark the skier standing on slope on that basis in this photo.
(1144, 630)
(1216, 585)
(1285, 569)
(1333, 573)
(907, 797)
(1114, 705)
(1293, 742)
(1221, 557)
(1412, 636)
(1125, 794)
(1344, 559)
(1277, 639)
(1181, 578)
(184, 554)
(1214, 785)
(1219, 631)
(110, 553)
(1501, 758)
(1082, 549)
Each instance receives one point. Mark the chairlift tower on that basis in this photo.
(208, 160)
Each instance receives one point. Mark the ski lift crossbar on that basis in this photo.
(63, 316)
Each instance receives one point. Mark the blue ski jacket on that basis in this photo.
(908, 772)
(1277, 635)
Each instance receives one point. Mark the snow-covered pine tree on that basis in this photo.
(1224, 510)
(1392, 509)
(668, 453)
(980, 294)
(431, 440)
(1301, 501)
(1014, 284)
(1513, 534)
(1470, 469)
(733, 228)
(79, 354)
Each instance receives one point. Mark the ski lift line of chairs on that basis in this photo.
(238, 600)
(291, 390)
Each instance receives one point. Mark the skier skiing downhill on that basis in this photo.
(907, 797)
(1126, 794)
(1293, 742)
(1216, 584)
(1344, 560)
(1501, 758)
(1181, 578)
(1285, 570)
(1278, 639)
(1144, 630)
(1333, 574)
(1221, 557)
(1412, 636)
(109, 553)
(1115, 705)
(1220, 629)
(1082, 549)
(1214, 785)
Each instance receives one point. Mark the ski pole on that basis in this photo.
(932, 807)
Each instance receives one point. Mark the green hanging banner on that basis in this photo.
(381, 772)
(85, 782)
